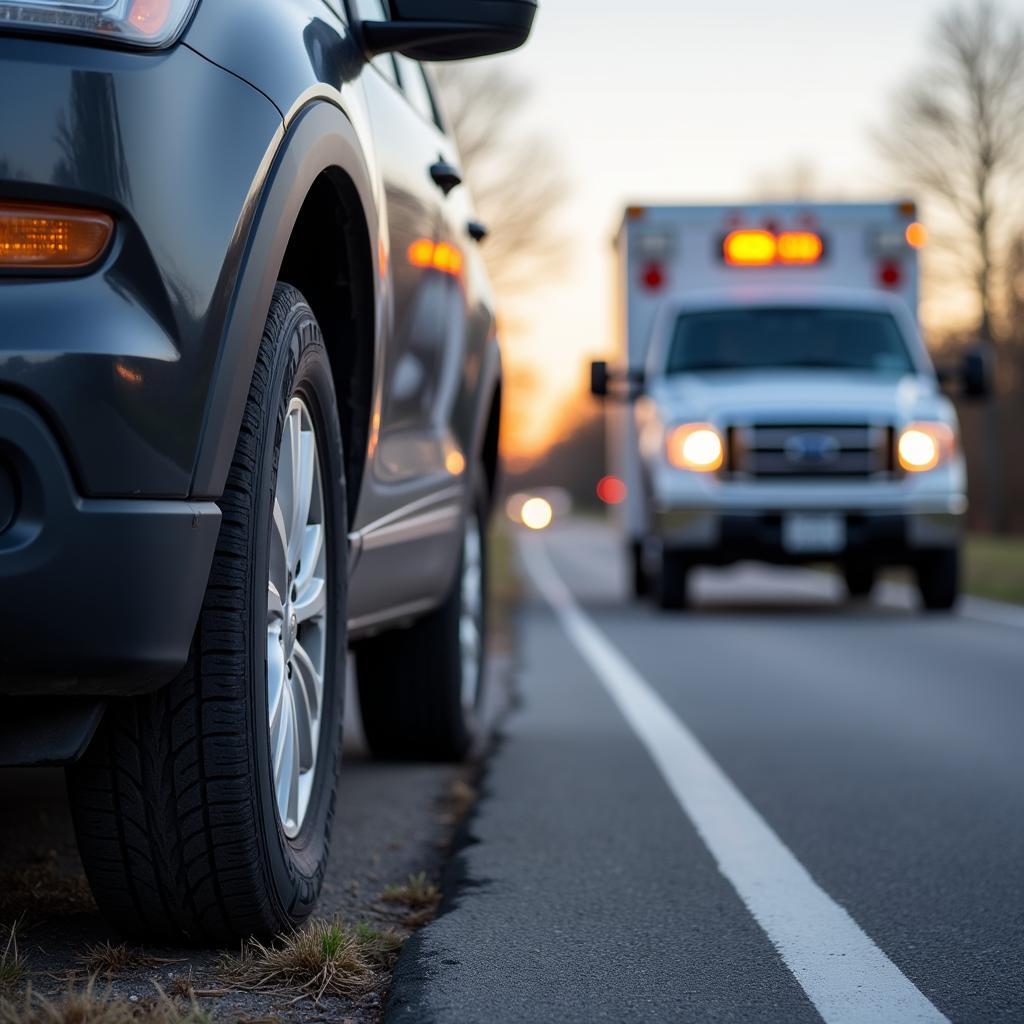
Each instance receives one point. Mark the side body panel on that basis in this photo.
(433, 377)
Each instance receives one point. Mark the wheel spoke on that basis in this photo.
(304, 480)
(292, 817)
(275, 606)
(275, 683)
(312, 680)
(312, 550)
(279, 549)
(305, 718)
(284, 754)
(311, 601)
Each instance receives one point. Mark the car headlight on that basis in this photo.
(923, 446)
(695, 446)
(148, 23)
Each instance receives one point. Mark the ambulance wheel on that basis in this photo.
(640, 581)
(938, 579)
(860, 579)
(673, 584)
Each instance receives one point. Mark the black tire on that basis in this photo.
(641, 583)
(411, 680)
(673, 585)
(938, 580)
(860, 579)
(174, 804)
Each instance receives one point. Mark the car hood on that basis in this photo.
(810, 396)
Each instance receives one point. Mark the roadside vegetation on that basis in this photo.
(12, 966)
(995, 568)
(420, 896)
(87, 1006)
(325, 958)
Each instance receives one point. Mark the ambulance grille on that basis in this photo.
(811, 451)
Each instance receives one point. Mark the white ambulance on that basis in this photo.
(776, 401)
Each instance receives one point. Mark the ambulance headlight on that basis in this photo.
(924, 446)
(695, 446)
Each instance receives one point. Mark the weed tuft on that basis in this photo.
(324, 958)
(419, 895)
(12, 963)
(108, 959)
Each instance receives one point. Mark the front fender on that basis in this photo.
(320, 139)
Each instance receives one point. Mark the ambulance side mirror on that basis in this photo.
(605, 383)
(971, 378)
(976, 374)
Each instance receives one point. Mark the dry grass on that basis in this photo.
(324, 958)
(12, 964)
(462, 798)
(419, 895)
(108, 959)
(86, 1006)
(39, 889)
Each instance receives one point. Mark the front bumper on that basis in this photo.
(886, 537)
(96, 596)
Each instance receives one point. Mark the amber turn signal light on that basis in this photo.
(37, 237)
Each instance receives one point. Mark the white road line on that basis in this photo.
(845, 975)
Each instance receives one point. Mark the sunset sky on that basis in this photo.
(686, 101)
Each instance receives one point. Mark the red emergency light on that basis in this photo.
(653, 277)
(611, 490)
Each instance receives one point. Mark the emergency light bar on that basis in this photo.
(768, 249)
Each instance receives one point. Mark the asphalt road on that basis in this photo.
(777, 807)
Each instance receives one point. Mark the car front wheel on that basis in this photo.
(203, 811)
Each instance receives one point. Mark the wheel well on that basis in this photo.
(329, 260)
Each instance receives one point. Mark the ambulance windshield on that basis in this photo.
(789, 339)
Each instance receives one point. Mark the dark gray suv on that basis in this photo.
(249, 402)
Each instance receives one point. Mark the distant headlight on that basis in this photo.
(695, 446)
(149, 23)
(923, 446)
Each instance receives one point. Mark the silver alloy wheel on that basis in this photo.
(471, 619)
(296, 618)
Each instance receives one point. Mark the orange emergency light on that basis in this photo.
(750, 249)
(754, 248)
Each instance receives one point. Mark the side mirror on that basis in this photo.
(436, 30)
(603, 383)
(975, 375)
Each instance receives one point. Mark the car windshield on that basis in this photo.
(787, 338)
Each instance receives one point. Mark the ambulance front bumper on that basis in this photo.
(890, 522)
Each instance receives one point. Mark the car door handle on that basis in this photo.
(477, 231)
(446, 177)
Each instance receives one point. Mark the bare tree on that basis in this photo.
(957, 137)
(512, 170)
